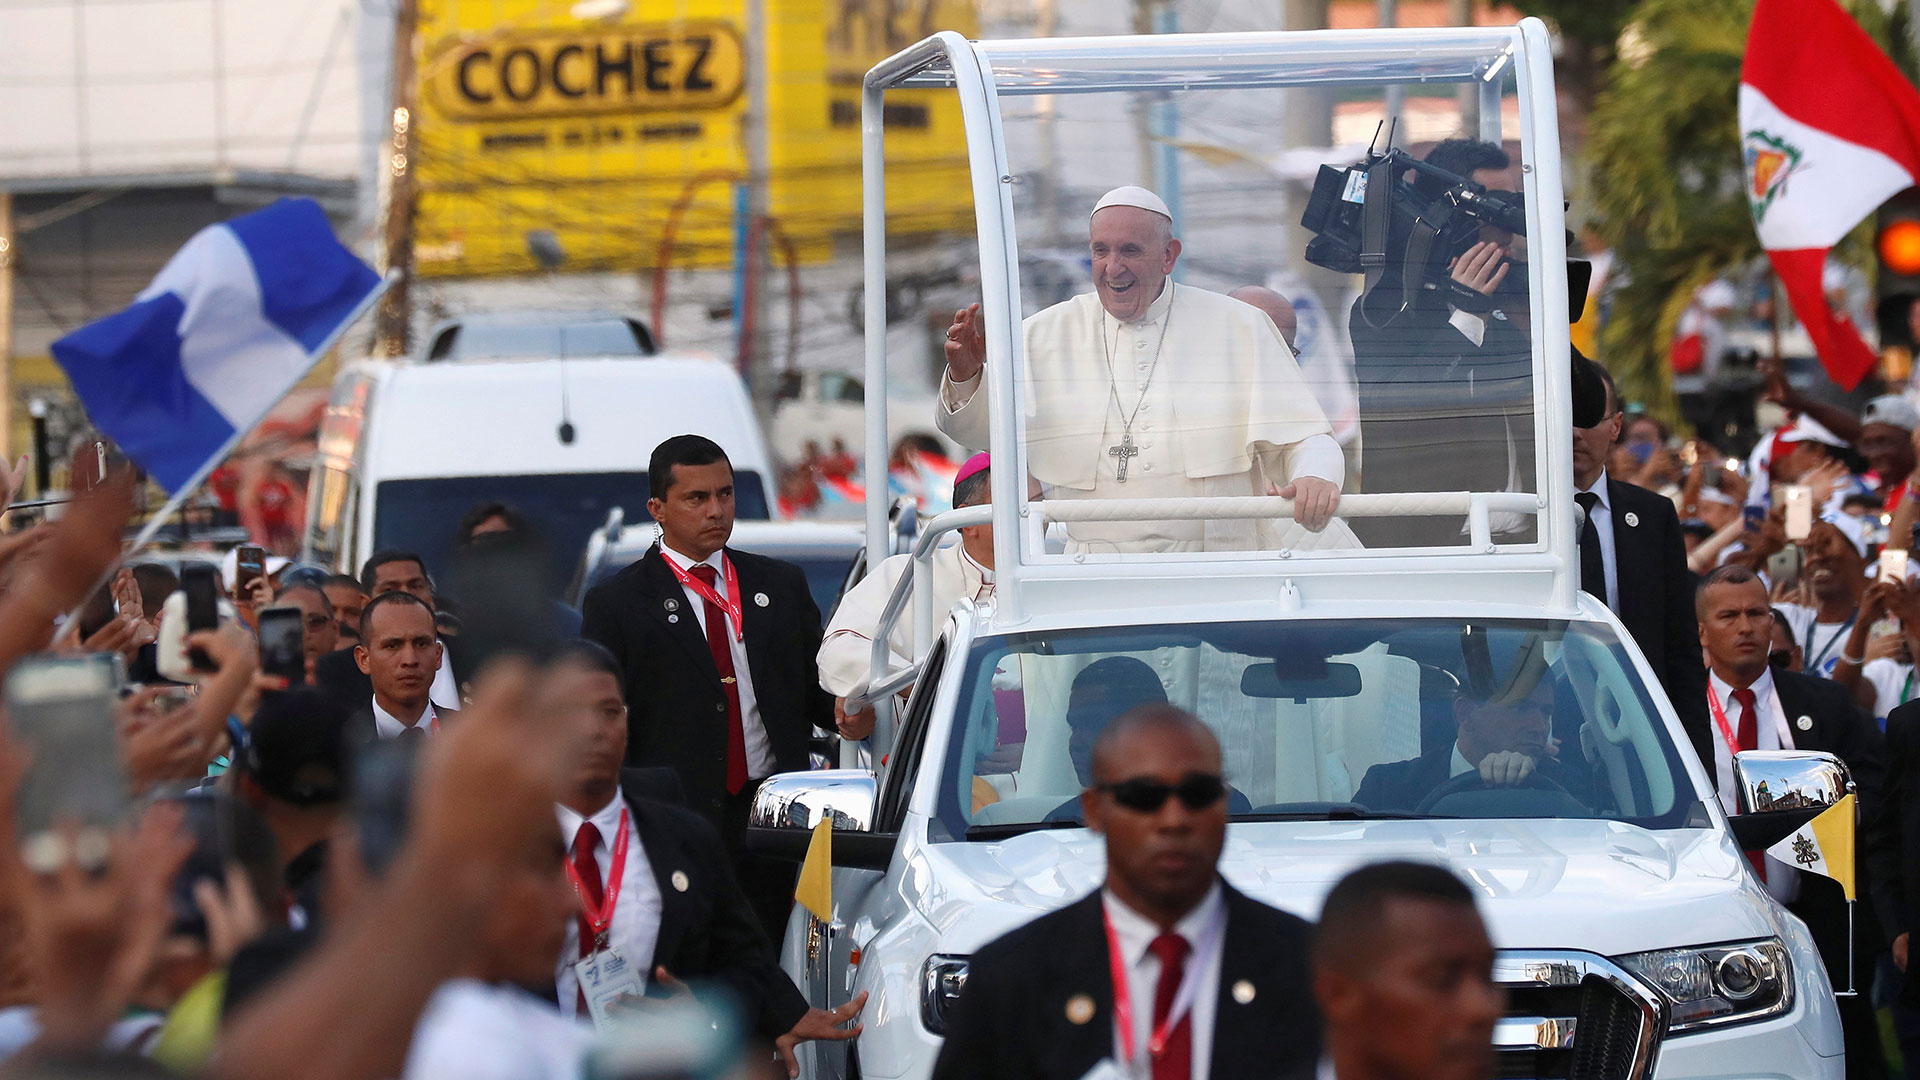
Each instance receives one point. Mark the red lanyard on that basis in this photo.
(600, 918)
(1726, 729)
(1182, 999)
(729, 603)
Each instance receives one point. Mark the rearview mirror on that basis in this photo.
(787, 807)
(1300, 681)
(1777, 791)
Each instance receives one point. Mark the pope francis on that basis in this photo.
(1147, 389)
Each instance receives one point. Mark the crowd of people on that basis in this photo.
(470, 831)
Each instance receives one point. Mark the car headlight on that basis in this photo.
(1716, 985)
(941, 981)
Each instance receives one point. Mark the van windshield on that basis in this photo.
(421, 515)
(1336, 719)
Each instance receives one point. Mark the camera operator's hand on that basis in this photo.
(1482, 267)
(966, 345)
(1314, 500)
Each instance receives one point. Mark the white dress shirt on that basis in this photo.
(1136, 932)
(444, 692)
(759, 753)
(1771, 732)
(473, 1030)
(1602, 518)
(388, 726)
(636, 915)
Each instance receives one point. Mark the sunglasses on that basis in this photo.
(1145, 795)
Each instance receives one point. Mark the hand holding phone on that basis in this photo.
(250, 565)
(201, 584)
(1893, 565)
(283, 644)
(62, 711)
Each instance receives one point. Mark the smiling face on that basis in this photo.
(1133, 252)
(1834, 566)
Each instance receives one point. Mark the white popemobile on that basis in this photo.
(1634, 939)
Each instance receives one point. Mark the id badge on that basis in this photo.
(608, 983)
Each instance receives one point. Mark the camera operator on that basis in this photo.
(1444, 376)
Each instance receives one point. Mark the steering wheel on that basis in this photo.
(1473, 781)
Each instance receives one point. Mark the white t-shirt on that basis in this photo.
(1892, 682)
(473, 1030)
(1820, 643)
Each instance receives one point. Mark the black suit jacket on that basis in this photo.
(1656, 602)
(676, 707)
(708, 931)
(1012, 1021)
(1402, 785)
(1837, 726)
(1891, 840)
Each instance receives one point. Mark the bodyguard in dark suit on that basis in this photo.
(1767, 709)
(678, 913)
(1633, 558)
(1039, 1003)
(717, 648)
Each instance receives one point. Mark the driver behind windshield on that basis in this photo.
(1505, 740)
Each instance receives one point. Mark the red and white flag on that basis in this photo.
(1830, 130)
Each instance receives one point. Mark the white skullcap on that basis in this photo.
(1131, 195)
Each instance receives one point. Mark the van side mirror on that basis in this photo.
(1777, 791)
(788, 806)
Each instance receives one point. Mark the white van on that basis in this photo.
(407, 448)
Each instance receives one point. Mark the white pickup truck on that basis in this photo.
(1634, 939)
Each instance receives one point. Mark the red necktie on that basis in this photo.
(1175, 1061)
(588, 867)
(1747, 734)
(723, 660)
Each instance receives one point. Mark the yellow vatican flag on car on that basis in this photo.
(1823, 845)
(815, 889)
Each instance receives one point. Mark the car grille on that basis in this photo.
(1574, 1016)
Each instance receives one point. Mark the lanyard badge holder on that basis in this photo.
(607, 980)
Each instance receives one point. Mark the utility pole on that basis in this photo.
(1396, 98)
(393, 323)
(751, 290)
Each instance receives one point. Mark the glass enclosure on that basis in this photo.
(1315, 273)
(1327, 719)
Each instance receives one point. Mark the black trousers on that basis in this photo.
(768, 883)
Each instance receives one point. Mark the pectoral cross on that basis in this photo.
(1123, 452)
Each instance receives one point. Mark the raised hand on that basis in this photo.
(966, 345)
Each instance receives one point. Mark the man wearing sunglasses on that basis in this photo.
(1166, 971)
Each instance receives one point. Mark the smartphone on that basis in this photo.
(61, 709)
(1893, 565)
(208, 817)
(250, 565)
(201, 584)
(1753, 516)
(1799, 500)
(283, 643)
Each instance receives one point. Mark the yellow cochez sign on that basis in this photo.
(626, 69)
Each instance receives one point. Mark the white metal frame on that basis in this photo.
(980, 72)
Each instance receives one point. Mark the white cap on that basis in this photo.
(1131, 195)
(1807, 429)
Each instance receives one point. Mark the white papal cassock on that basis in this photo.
(1222, 410)
(846, 652)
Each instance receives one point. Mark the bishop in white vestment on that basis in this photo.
(1146, 389)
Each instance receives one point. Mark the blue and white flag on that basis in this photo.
(232, 323)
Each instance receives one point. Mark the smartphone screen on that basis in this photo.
(283, 643)
(1799, 500)
(250, 565)
(61, 708)
(201, 584)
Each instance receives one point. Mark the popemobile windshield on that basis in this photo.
(1271, 355)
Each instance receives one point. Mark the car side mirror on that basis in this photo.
(788, 806)
(1777, 791)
